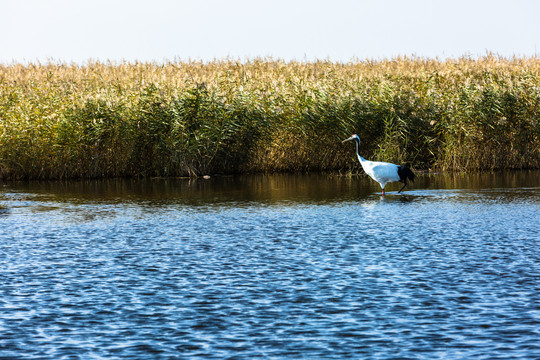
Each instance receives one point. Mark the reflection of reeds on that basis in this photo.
(176, 119)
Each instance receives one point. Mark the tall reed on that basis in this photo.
(263, 115)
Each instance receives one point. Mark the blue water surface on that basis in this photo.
(276, 267)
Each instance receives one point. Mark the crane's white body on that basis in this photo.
(381, 172)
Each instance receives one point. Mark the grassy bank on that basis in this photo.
(178, 119)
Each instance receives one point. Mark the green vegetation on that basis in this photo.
(193, 118)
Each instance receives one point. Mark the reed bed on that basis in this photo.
(192, 118)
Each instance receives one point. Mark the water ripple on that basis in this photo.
(437, 274)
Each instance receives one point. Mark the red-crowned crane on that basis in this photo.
(383, 172)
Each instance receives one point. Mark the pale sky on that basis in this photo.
(337, 30)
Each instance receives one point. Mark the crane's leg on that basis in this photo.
(403, 187)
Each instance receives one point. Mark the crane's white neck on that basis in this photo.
(357, 143)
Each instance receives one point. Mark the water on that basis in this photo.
(275, 267)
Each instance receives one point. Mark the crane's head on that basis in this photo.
(353, 138)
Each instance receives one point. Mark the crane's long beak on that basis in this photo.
(349, 139)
